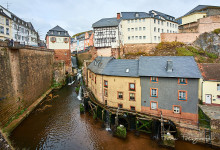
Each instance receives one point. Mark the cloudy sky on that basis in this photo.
(78, 15)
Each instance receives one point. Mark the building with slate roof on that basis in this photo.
(189, 21)
(115, 82)
(58, 39)
(106, 34)
(22, 31)
(142, 27)
(167, 84)
(210, 83)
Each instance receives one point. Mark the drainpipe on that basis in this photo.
(102, 91)
(150, 32)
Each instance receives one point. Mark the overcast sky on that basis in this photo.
(78, 15)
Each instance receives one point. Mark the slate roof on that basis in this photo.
(99, 64)
(3, 14)
(56, 30)
(210, 72)
(132, 15)
(199, 8)
(183, 66)
(106, 22)
(118, 67)
(165, 16)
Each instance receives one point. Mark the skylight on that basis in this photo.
(127, 70)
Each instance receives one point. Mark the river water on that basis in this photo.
(57, 124)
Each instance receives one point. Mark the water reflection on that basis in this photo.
(57, 124)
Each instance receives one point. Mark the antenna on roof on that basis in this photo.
(7, 5)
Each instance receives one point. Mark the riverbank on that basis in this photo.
(4, 142)
(8, 129)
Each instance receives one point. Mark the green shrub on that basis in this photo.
(201, 59)
(216, 31)
(121, 132)
(193, 49)
(169, 45)
(82, 109)
(181, 51)
(77, 89)
(212, 55)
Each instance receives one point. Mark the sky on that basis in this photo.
(77, 16)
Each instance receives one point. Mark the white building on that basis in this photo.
(106, 33)
(22, 31)
(142, 27)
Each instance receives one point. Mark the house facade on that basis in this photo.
(22, 31)
(169, 85)
(58, 39)
(5, 26)
(106, 33)
(189, 21)
(142, 27)
(118, 88)
(210, 84)
(166, 85)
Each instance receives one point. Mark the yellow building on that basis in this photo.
(210, 84)
(115, 82)
(5, 26)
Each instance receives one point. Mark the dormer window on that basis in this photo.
(182, 81)
(51, 32)
(65, 33)
(58, 33)
(127, 70)
(136, 15)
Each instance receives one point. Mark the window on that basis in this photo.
(162, 30)
(106, 92)
(158, 21)
(120, 95)
(140, 37)
(155, 29)
(120, 105)
(58, 33)
(66, 40)
(2, 29)
(153, 105)
(7, 22)
(218, 87)
(128, 29)
(143, 20)
(176, 109)
(139, 20)
(136, 37)
(155, 38)
(131, 86)
(161, 22)
(158, 29)
(153, 92)
(132, 21)
(218, 96)
(132, 37)
(182, 95)
(7, 31)
(144, 28)
(53, 39)
(132, 29)
(132, 96)
(137, 15)
(154, 20)
(136, 29)
(129, 37)
(154, 79)
(158, 38)
(167, 24)
(105, 83)
(167, 31)
(135, 20)
(144, 37)
(128, 21)
(132, 108)
(140, 28)
(106, 102)
(182, 81)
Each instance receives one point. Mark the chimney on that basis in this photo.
(118, 16)
(169, 67)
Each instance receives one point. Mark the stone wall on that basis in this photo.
(208, 24)
(137, 48)
(26, 74)
(180, 37)
(64, 54)
(59, 71)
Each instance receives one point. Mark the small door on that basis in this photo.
(208, 98)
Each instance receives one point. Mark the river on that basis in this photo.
(57, 124)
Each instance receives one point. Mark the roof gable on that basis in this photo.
(210, 72)
(99, 64)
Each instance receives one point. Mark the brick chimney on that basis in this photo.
(118, 16)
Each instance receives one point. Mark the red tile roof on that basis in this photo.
(210, 72)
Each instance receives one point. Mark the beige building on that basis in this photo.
(5, 26)
(210, 84)
(119, 88)
(141, 27)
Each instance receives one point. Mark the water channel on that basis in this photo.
(57, 124)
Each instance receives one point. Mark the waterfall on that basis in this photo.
(70, 80)
(107, 125)
(80, 94)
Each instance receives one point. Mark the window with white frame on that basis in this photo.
(132, 37)
(154, 20)
(132, 21)
(153, 105)
(129, 37)
(136, 37)
(7, 31)
(155, 29)
(158, 38)
(128, 21)
(132, 96)
(140, 28)
(136, 29)
(144, 37)
(128, 29)
(182, 95)
(158, 21)
(218, 87)
(132, 29)
(158, 29)
(144, 28)
(176, 109)
(7, 21)
(161, 30)
(143, 20)
(140, 37)
(2, 29)
(155, 38)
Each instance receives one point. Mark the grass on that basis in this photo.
(216, 31)
(204, 120)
